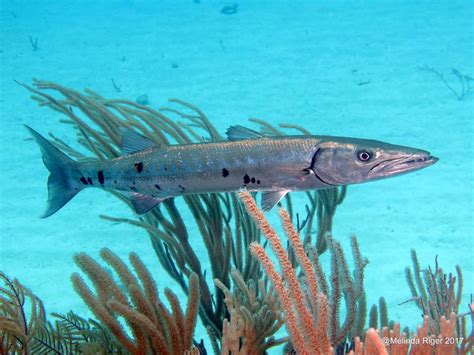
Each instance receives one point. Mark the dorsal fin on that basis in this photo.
(240, 132)
(133, 142)
(271, 198)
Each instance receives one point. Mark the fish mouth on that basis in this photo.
(402, 165)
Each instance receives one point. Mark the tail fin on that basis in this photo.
(60, 166)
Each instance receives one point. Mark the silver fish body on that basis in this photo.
(167, 171)
(149, 173)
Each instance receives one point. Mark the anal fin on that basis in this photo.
(271, 198)
(143, 203)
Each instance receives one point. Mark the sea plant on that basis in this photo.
(19, 327)
(226, 230)
(304, 299)
(434, 292)
(438, 295)
(310, 307)
(464, 82)
(378, 315)
(254, 317)
(153, 328)
(311, 311)
(25, 329)
(312, 303)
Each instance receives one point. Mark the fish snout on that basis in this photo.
(424, 159)
(403, 164)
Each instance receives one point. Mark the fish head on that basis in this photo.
(343, 161)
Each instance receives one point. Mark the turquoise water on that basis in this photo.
(345, 68)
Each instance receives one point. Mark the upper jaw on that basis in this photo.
(404, 164)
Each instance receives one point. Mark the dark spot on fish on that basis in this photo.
(246, 179)
(258, 181)
(158, 186)
(253, 180)
(133, 188)
(89, 180)
(182, 188)
(166, 169)
(83, 180)
(100, 176)
(225, 172)
(115, 181)
(139, 166)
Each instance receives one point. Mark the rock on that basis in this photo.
(142, 99)
(230, 9)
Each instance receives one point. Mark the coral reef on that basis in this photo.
(434, 292)
(19, 328)
(313, 323)
(154, 328)
(255, 316)
(225, 228)
(377, 320)
(151, 327)
(311, 309)
(251, 297)
(393, 342)
(438, 295)
(29, 332)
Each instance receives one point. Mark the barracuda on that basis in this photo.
(149, 173)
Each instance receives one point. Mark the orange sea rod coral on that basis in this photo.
(308, 316)
(306, 313)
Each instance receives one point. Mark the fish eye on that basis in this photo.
(364, 155)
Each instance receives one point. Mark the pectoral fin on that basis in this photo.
(271, 198)
(143, 203)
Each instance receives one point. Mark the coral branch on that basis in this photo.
(302, 316)
(154, 327)
(255, 316)
(291, 321)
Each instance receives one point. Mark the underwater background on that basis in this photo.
(366, 69)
